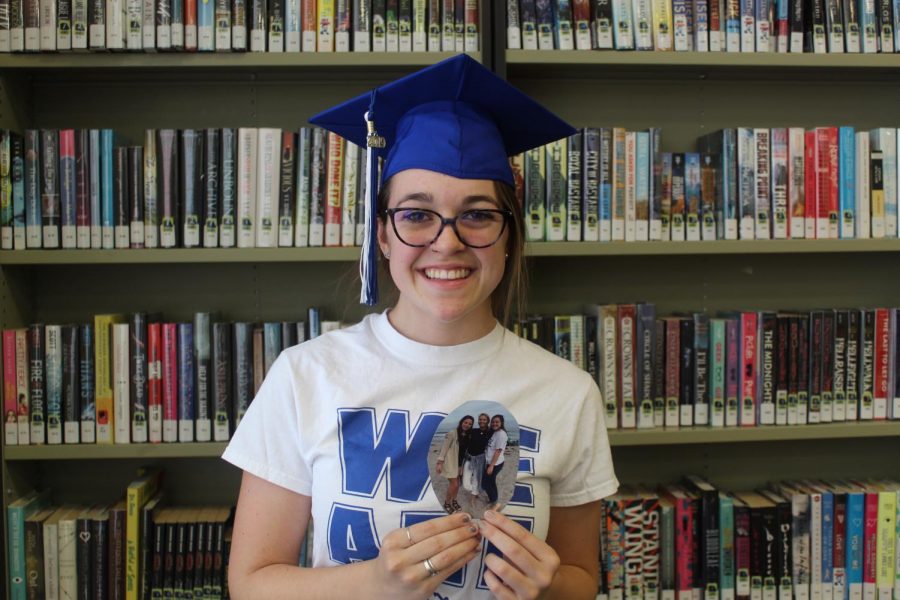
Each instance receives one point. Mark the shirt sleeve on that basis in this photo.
(267, 441)
(587, 474)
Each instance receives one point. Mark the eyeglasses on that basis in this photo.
(476, 228)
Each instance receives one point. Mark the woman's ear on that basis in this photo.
(382, 239)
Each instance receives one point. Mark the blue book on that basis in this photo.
(723, 144)
(856, 512)
(17, 175)
(827, 542)
(726, 542)
(94, 187)
(847, 182)
(33, 216)
(107, 208)
(16, 513)
(642, 186)
(271, 343)
(206, 25)
(604, 186)
(623, 29)
(589, 187)
(185, 382)
(315, 323)
(692, 195)
(655, 178)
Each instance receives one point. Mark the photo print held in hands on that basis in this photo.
(474, 457)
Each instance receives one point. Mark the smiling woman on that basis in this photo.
(343, 426)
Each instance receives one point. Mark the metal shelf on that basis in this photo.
(114, 451)
(221, 61)
(348, 254)
(651, 437)
(730, 435)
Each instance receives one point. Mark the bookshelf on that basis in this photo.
(685, 94)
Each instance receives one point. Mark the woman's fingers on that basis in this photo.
(466, 535)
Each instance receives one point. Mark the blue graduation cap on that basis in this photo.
(455, 117)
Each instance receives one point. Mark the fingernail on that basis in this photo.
(473, 529)
(490, 514)
(466, 518)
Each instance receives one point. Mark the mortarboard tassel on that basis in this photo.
(368, 269)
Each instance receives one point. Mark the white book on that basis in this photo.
(681, 31)
(121, 383)
(239, 36)
(700, 12)
(863, 193)
(63, 32)
(748, 26)
(268, 166)
(258, 40)
(779, 179)
(763, 185)
(48, 25)
(151, 199)
(887, 139)
(325, 38)
(68, 568)
(350, 189)
(248, 139)
(115, 24)
(223, 26)
(630, 185)
(796, 182)
(17, 33)
(51, 555)
(302, 187)
(643, 24)
(746, 155)
(135, 24)
(148, 25)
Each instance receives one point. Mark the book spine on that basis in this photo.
(748, 383)
(286, 192)
(82, 189)
(33, 179)
(228, 187)
(803, 370)
(168, 186)
(867, 366)
(154, 382)
(303, 187)
(767, 367)
(53, 378)
(50, 202)
(170, 382)
(135, 200)
(186, 390)
(782, 367)
(243, 369)
(847, 164)
(687, 366)
(626, 323)
(203, 380)
(267, 190)
(239, 19)
(121, 385)
(673, 372)
(120, 214)
(350, 208)
(70, 387)
(589, 184)
(815, 372)
(10, 432)
(191, 186)
(222, 372)
(139, 377)
(248, 143)
(22, 387)
(718, 368)
(573, 187)
(334, 178)
(211, 190)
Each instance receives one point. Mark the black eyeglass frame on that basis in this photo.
(451, 221)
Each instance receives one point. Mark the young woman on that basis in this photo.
(450, 458)
(494, 455)
(341, 427)
(473, 462)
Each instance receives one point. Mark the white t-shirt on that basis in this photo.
(497, 442)
(348, 418)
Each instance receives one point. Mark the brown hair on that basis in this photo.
(508, 299)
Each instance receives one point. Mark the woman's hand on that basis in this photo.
(528, 565)
(490, 469)
(414, 560)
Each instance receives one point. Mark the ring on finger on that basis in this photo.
(429, 567)
(409, 536)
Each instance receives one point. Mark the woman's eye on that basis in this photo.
(416, 216)
(479, 216)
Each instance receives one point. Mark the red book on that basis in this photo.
(684, 538)
(882, 362)
(170, 381)
(832, 187)
(810, 184)
(308, 20)
(154, 381)
(827, 193)
(840, 543)
(626, 366)
(190, 24)
(11, 432)
(870, 545)
(748, 369)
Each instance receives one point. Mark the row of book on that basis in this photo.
(739, 369)
(240, 25)
(816, 26)
(789, 540)
(246, 187)
(610, 184)
(134, 549)
(135, 379)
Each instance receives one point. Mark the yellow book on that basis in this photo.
(103, 388)
(662, 25)
(139, 492)
(884, 556)
(326, 26)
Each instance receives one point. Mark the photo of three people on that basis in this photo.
(474, 458)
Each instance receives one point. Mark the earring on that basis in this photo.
(387, 255)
